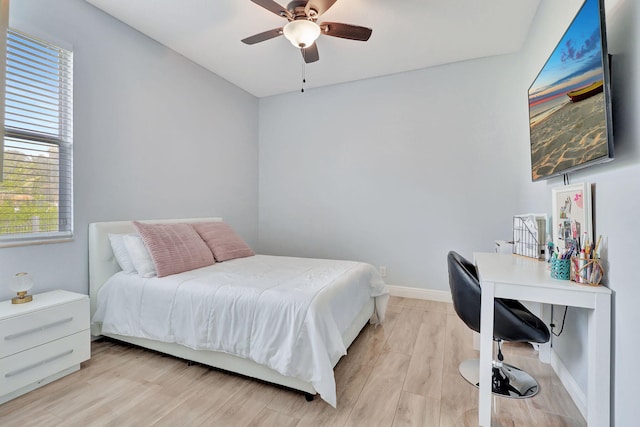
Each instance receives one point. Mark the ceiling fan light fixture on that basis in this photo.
(301, 33)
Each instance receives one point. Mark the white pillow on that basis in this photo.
(139, 255)
(121, 253)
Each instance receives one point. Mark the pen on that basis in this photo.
(569, 252)
(581, 267)
(595, 253)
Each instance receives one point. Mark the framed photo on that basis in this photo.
(571, 215)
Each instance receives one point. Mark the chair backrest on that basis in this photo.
(512, 320)
(465, 290)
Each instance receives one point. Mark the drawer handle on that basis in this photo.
(38, 329)
(35, 365)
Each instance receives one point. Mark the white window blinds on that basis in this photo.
(36, 197)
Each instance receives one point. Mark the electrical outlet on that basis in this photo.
(383, 270)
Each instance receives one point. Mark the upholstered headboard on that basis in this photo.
(102, 263)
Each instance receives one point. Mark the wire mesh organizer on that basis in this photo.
(586, 271)
(529, 232)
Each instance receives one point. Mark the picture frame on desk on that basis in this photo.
(571, 215)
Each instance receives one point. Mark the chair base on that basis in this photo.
(507, 380)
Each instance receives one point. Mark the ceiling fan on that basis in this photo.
(302, 30)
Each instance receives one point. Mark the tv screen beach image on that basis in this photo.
(567, 115)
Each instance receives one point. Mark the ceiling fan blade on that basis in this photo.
(260, 37)
(320, 6)
(346, 31)
(274, 7)
(310, 54)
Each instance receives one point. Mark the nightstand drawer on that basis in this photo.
(20, 333)
(33, 365)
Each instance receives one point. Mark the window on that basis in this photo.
(36, 198)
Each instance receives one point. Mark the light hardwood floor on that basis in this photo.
(404, 373)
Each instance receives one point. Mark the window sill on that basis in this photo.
(9, 242)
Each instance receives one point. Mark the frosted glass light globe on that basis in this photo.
(301, 33)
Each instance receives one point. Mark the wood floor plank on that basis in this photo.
(511, 413)
(553, 420)
(383, 381)
(403, 336)
(425, 369)
(428, 305)
(459, 403)
(377, 403)
(397, 301)
(270, 418)
(459, 344)
(391, 366)
(142, 401)
(36, 419)
(372, 340)
(289, 402)
(350, 380)
(415, 410)
(204, 402)
(553, 398)
(241, 409)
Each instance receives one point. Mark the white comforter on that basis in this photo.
(286, 313)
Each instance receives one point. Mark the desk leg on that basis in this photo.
(599, 363)
(486, 354)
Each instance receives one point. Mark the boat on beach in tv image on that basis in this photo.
(585, 92)
(567, 117)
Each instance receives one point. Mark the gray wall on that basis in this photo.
(156, 136)
(394, 171)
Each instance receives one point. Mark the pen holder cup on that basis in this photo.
(586, 271)
(560, 268)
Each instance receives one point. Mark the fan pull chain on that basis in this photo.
(304, 61)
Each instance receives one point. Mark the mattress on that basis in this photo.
(286, 313)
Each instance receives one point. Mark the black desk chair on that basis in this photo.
(512, 322)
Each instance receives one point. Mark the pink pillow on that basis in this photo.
(174, 248)
(223, 241)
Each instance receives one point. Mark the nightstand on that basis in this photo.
(42, 341)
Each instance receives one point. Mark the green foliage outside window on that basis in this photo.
(29, 192)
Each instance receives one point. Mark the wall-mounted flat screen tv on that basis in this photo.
(570, 100)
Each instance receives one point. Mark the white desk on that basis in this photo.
(521, 278)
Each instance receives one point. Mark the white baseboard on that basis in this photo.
(419, 293)
(569, 383)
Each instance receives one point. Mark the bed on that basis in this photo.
(290, 341)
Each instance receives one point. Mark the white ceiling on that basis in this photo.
(407, 35)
